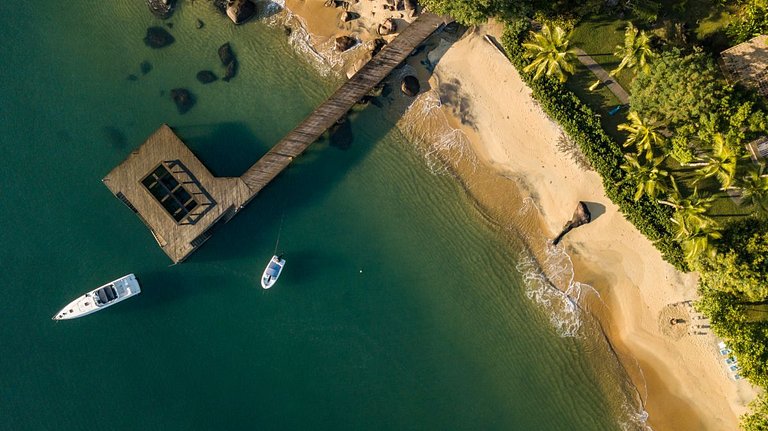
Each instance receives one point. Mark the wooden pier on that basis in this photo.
(361, 83)
(180, 201)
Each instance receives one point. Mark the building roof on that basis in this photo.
(174, 193)
(748, 63)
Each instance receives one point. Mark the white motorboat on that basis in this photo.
(100, 298)
(272, 271)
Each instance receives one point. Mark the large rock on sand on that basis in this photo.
(162, 9)
(580, 217)
(183, 99)
(410, 86)
(158, 37)
(240, 11)
(411, 8)
(387, 27)
(343, 43)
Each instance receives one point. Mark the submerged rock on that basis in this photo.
(162, 9)
(226, 55)
(183, 99)
(343, 43)
(580, 216)
(132, 77)
(158, 37)
(240, 11)
(206, 76)
(231, 71)
(410, 86)
(145, 67)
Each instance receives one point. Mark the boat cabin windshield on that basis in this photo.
(273, 269)
(106, 294)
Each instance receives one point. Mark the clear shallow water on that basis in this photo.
(399, 307)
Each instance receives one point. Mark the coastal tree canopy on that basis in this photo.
(549, 53)
(741, 264)
(678, 88)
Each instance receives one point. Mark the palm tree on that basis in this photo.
(636, 50)
(700, 241)
(754, 188)
(720, 163)
(550, 53)
(643, 133)
(647, 176)
(690, 211)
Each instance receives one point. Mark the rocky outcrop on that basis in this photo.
(158, 37)
(162, 9)
(183, 99)
(228, 60)
(337, 3)
(199, 24)
(378, 44)
(387, 27)
(240, 11)
(410, 86)
(206, 76)
(343, 43)
(580, 217)
(411, 8)
(348, 16)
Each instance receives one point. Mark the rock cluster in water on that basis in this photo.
(206, 76)
(158, 37)
(229, 61)
(183, 99)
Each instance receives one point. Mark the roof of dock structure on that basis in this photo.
(174, 193)
(748, 63)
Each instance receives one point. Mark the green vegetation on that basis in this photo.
(678, 88)
(752, 21)
(635, 51)
(676, 165)
(549, 53)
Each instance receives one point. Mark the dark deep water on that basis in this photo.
(399, 307)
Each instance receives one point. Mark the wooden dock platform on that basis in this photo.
(180, 201)
(322, 118)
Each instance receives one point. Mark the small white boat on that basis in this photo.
(272, 271)
(100, 298)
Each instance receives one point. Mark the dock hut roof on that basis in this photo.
(174, 193)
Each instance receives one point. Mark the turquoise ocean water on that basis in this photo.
(400, 307)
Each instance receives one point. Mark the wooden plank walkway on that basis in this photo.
(603, 76)
(361, 83)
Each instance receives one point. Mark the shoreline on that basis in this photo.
(681, 381)
(502, 158)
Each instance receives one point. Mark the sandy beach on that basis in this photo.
(504, 151)
(678, 371)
